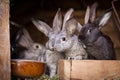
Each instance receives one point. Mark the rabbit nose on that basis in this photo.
(52, 49)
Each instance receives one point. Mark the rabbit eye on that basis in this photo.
(89, 31)
(64, 39)
(37, 46)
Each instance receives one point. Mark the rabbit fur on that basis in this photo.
(70, 47)
(98, 45)
(52, 56)
(34, 51)
(48, 31)
(66, 41)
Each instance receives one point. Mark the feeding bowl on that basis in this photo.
(27, 68)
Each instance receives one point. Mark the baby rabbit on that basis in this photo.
(34, 51)
(52, 57)
(98, 45)
(66, 41)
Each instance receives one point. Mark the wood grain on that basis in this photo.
(64, 69)
(4, 41)
(91, 69)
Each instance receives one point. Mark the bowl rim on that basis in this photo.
(26, 60)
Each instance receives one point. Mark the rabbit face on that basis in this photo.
(51, 40)
(63, 42)
(89, 33)
(91, 30)
(37, 48)
(33, 50)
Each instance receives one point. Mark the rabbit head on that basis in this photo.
(51, 32)
(33, 50)
(64, 40)
(91, 30)
(47, 30)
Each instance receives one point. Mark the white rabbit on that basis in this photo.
(52, 57)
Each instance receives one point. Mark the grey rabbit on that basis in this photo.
(66, 41)
(34, 51)
(48, 31)
(52, 57)
(98, 45)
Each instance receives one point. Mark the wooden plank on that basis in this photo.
(64, 69)
(91, 69)
(4, 41)
(95, 70)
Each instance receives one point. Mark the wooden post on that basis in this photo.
(4, 41)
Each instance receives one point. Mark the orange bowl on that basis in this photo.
(27, 68)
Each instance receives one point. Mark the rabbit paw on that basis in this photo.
(74, 58)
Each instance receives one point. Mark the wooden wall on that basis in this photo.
(4, 41)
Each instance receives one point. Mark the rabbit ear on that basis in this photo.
(25, 39)
(42, 26)
(71, 26)
(87, 15)
(79, 27)
(57, 22)
(26, 34)
(104, 19)
(93, 12)
(67, 16)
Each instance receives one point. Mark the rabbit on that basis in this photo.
(98, 45)
(66, 41)
(52, 57)
(47, 30)
(63, 41)
(34, 51)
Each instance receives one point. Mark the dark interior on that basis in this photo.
(21, 12)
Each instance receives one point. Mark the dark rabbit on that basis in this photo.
(98, 45)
